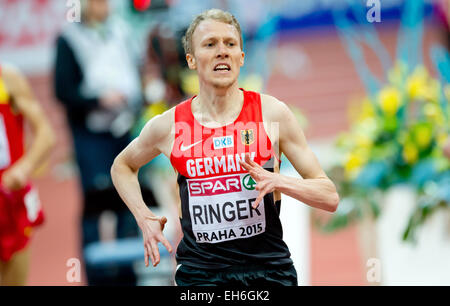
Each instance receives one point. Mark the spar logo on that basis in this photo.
(214, 186)
(248, 182)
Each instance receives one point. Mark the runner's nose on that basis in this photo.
(222, 51)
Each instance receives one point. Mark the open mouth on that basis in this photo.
(222, 67)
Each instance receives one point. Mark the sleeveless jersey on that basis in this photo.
(20, 210)
(220, 226)
(11, 131)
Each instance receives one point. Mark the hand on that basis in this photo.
(15, 177)
(112, 100)
(266, 180)
(152, 228)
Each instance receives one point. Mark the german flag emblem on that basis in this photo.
(247, 137)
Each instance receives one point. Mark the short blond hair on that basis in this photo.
(214, 14)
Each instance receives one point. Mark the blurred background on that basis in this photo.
(367, 80)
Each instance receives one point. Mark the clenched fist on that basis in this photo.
(15, 177)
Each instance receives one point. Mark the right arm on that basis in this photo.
(153, 140)
(23, 100)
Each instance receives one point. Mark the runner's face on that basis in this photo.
(217, 53)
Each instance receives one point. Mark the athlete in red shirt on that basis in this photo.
(20, 209)
(225, 144)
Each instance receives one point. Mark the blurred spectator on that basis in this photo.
(164, 66)
(20, 209)
(97, 80)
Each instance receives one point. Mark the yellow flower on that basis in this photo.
(390, 99)
(410, 153)
(352, 166)
(355, 160)
(417, 83)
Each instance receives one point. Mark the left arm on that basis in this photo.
(314, 188)
(23, 101)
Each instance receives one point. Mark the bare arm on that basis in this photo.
(44, 139)
(152, 141)
(314, 188)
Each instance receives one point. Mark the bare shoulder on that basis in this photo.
(273, 110)
(158, 131)
(20, 91)
(159, 126)
(12, 76)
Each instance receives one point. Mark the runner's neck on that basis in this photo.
(224, 108)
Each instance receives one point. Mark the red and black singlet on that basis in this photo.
(220, 226)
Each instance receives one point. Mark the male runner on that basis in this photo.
(19, 205)
(223, 145)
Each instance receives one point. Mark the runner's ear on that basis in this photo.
(191, 61)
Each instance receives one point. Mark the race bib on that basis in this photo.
(5, 159)
(221, 208)
(33, 204)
